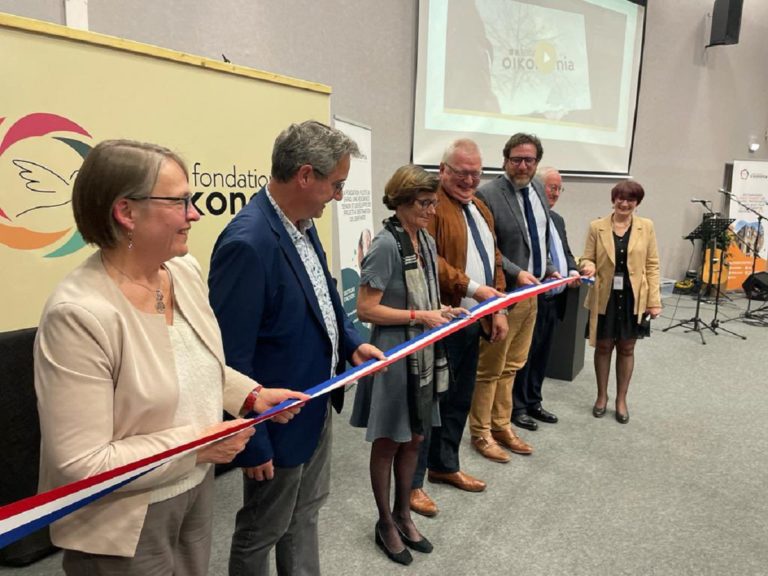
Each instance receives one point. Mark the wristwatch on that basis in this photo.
(503, 312)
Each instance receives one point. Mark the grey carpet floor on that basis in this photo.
(680, 490)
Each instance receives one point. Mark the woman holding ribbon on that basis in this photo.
(399, 294)
(621, 254)
(129, 363)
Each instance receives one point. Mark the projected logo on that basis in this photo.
(542, 65)
(40, 155)
(543, 58)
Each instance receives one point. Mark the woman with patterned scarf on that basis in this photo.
(399, 294)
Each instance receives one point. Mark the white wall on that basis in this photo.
(696, 110)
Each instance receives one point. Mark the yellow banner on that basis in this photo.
(65, 90)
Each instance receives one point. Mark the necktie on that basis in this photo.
(479, 244)
(533, 232)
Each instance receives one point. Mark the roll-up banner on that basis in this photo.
(749, 185)
(354, 219)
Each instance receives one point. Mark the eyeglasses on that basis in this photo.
(425, 204)
(338, 186)
(175, 200)
(464, 174)
(517, 160)
(555, 188)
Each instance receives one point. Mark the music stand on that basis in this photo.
(709, 229)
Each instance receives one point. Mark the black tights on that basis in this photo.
(386, 456)
(625, 363)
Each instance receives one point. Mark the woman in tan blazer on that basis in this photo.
(621, 254)
(128, 363)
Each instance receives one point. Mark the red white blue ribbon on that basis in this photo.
(23, 517)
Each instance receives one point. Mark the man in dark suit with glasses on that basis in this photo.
(522, 220)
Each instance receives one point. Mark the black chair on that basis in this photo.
(20, 440)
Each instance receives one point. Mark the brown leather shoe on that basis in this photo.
(511, 441)
(458, 479)
(490, 449)
(422, 504)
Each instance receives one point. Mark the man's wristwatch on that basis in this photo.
(503, 312)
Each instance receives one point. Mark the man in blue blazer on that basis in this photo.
(282, 321)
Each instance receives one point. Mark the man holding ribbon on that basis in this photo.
(521, 215)
(550, 305)
(282, 321)
(470, 272)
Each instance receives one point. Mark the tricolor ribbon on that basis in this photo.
(30, 514)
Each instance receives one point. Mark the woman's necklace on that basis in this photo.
(158, 292)
(621, 226)
(417, 249)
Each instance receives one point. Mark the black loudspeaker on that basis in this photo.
(726, 22)
(756, 286)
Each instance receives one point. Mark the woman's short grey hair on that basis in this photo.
(113, 170)
(311, 143)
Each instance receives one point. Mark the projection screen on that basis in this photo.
(565, 70)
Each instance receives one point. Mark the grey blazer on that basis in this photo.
(510, 225)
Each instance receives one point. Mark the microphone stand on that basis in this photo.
(715, 323)
(749, 313)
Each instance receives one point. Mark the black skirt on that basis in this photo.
(619, 321)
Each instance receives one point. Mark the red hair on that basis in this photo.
(628, 190)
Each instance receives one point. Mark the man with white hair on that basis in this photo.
(551, 305)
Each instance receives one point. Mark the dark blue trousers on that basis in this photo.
(526, 393)
(440, 452)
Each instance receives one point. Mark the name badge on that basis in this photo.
(618, 282)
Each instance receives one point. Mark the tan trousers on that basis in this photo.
(496, 369)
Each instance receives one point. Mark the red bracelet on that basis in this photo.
(250, 400)
(412, 321)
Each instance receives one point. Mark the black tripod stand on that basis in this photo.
(709, 229)
(715, 324)
(751, 316)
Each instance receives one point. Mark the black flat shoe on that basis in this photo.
(598, 412)
(542, 415)
(403, 557)
(424, 546)
(524, 421)
(622, 418)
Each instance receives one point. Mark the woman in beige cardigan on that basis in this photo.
(621, 254)
(129, 363)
